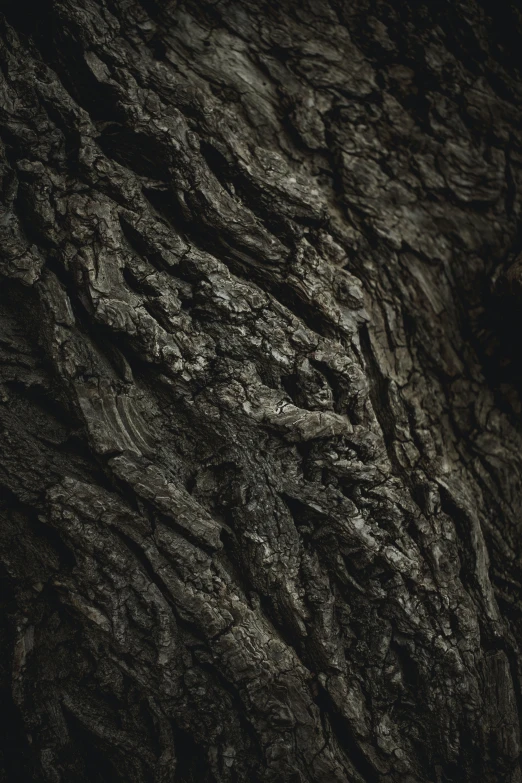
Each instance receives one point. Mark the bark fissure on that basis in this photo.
(260, 391)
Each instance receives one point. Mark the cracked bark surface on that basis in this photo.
(260, 392)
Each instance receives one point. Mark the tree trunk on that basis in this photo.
(261, 398)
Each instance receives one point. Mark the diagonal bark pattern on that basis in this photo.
(261, 444)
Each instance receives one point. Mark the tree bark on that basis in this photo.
(260, 391)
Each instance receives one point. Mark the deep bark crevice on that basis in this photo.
(260, 392)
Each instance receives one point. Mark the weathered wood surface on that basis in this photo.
(260, 403)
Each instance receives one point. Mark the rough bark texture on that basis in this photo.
(260, 404)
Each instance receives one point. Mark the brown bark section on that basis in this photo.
(260, 401)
